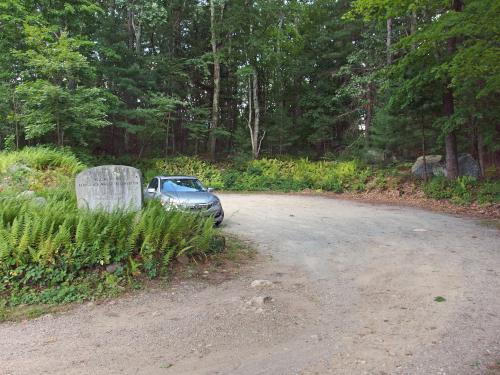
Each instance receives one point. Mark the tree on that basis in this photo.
(430, 58)
(219, 78)
(51, 96)
(214, 41)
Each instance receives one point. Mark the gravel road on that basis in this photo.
(351, 290)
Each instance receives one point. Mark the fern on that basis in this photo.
(5, 249)
(58, 243)
(16, 232)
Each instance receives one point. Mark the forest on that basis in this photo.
(226, 79)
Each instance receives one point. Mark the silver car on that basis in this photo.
(185, 193)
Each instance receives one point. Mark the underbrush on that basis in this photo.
(52, 252)
(334, 176)
(463, 190)
(41, 169)
(268, 174)
(56, 253)
(210, 174)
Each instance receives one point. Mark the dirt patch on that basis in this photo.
(418, 200)
(212, 269)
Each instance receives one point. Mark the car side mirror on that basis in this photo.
(151, 190)
(210, 190)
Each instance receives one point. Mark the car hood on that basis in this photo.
(190, 198)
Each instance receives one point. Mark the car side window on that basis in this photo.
(153, 184)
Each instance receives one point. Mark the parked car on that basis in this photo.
(185, 193)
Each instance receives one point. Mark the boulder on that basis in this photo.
(27, 194)
(435, 166)
(41, 201)
(18, 168)
(183, 259)
(468, 166)
(111, 268)
(375, 156)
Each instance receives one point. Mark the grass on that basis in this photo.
(19, 313)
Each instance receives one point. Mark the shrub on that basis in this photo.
(267, 174)
(463, 190)
(489, 192)
(42, 158)
(38, 168)
(438, 188)
(295, 175)
(208, 174)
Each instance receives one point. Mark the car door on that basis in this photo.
(152, 189)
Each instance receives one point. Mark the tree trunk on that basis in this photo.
(250, 110)
(389, 41)
(215, 102)
(137, 30)
(451, 137)
(167, 135)
(451, 155)
(130, 27)
(426, 174)
(413, 26)
(369, 108)
(449, 110)
(59, 133)
(254, 113)
(480, 151)
(256, 118)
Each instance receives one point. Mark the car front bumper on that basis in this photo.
(215, 211)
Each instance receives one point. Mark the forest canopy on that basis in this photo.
(221, 78)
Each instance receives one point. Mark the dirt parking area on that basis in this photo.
(339, 287)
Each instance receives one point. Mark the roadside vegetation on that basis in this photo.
(52, 252)
(293, 175)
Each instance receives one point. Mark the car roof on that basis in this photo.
(175, 177)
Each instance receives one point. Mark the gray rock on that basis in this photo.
(18, 168)
(110, 188)
(468, 166)
(260, 283)
(112, 267)
(27, 194)
(435, 166)
(183, 259)
(259, 300)
(41, 201)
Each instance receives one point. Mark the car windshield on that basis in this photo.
(181, 185)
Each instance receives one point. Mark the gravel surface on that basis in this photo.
(339, 288)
